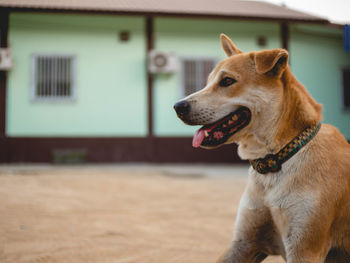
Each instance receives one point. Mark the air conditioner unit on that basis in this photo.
(161, 62)
(5, 59)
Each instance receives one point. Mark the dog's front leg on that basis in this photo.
(307, 247)
(306, 235)
(302, 252)
(253, 231)
(242, 252)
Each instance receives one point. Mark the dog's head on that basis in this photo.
(243, 95)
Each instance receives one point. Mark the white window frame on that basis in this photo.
(72, 96)
(182, 70)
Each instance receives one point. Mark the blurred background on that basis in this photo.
(94, 82)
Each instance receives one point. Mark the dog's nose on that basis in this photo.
(182, 107)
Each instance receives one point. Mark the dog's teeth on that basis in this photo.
(234, 117)
(206, 133)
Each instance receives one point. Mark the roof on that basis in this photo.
(221, 8)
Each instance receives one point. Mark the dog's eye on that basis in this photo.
(225, 82)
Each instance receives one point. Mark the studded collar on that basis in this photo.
(273, 162)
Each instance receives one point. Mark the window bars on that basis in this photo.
(53, 77)
(195, 73)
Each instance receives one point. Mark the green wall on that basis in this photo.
(317, 55)
(197, 38)
(111, 77)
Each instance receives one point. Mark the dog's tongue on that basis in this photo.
(198, 138)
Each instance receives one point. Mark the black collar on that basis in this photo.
(273, 162)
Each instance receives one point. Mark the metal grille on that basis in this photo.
(195, 74)
(53, 77)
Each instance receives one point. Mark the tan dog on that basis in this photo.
(300, 210)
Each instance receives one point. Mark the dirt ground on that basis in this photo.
(118, 214)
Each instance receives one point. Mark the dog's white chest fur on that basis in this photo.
(290, 207)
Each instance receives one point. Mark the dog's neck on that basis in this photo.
(297, 111)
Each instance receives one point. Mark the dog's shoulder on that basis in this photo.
(331, 149)
(331, 134)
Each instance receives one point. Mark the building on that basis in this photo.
(80, 88)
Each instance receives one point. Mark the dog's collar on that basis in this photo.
(273, 162)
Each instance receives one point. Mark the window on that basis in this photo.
(346, 87)
(195, 73)
(53, 77)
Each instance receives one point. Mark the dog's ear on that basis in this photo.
(228, 46)
(272, 61)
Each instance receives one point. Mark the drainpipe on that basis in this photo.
(285, 35)
(149, 47)
(4, 22)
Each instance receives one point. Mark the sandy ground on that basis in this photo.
(118, 214)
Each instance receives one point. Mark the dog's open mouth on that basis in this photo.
(218, 133)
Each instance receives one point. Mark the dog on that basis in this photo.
(297, 200)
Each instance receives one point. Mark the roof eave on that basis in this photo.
(167, 14)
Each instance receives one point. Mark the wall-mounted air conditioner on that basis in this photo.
(162, 62)
(5, 59)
